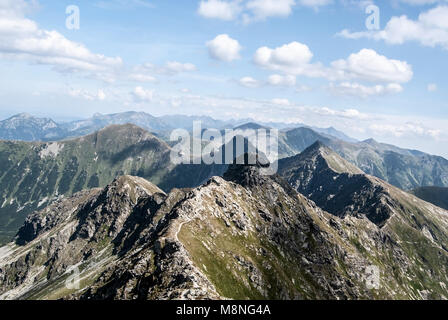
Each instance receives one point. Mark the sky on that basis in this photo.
(372, 69)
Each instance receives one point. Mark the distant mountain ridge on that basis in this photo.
(25, 127)
(35, 128)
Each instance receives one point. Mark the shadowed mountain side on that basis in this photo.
(436, 195)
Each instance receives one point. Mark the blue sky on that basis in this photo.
(308, 61)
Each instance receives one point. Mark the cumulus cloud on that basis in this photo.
(293, 58)
(262, 9)
(359, 90)
(224, 48)
(142, 95)
(367, 65)
(280, 80)
(430, 29)
(218, 9)
(370, 66)
(22, 39)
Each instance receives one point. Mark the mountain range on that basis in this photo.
(406, 169)
(25, 127)
(35, 173)
(241, 236)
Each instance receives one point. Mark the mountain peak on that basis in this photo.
(22, 115)
(133, 183)
(318, 155)
(371, 141)
(317, 146)
(333, 160)
(245, 169)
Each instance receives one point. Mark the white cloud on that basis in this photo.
(430, 29)
(100, 95)
(293, 58)
(279, 80)
(294, 54)
(145, 72)
(368, 65)
(348, 113)
(142, 95)
(21, 38)
(224, 48)
(356, 89)
(177, 67)
(218, 9)
(249, 82)
(432, 87)
(140, 77)
(408, 129)
(253, 10)
(262, 9)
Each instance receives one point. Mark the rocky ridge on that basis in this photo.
(243, 236)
